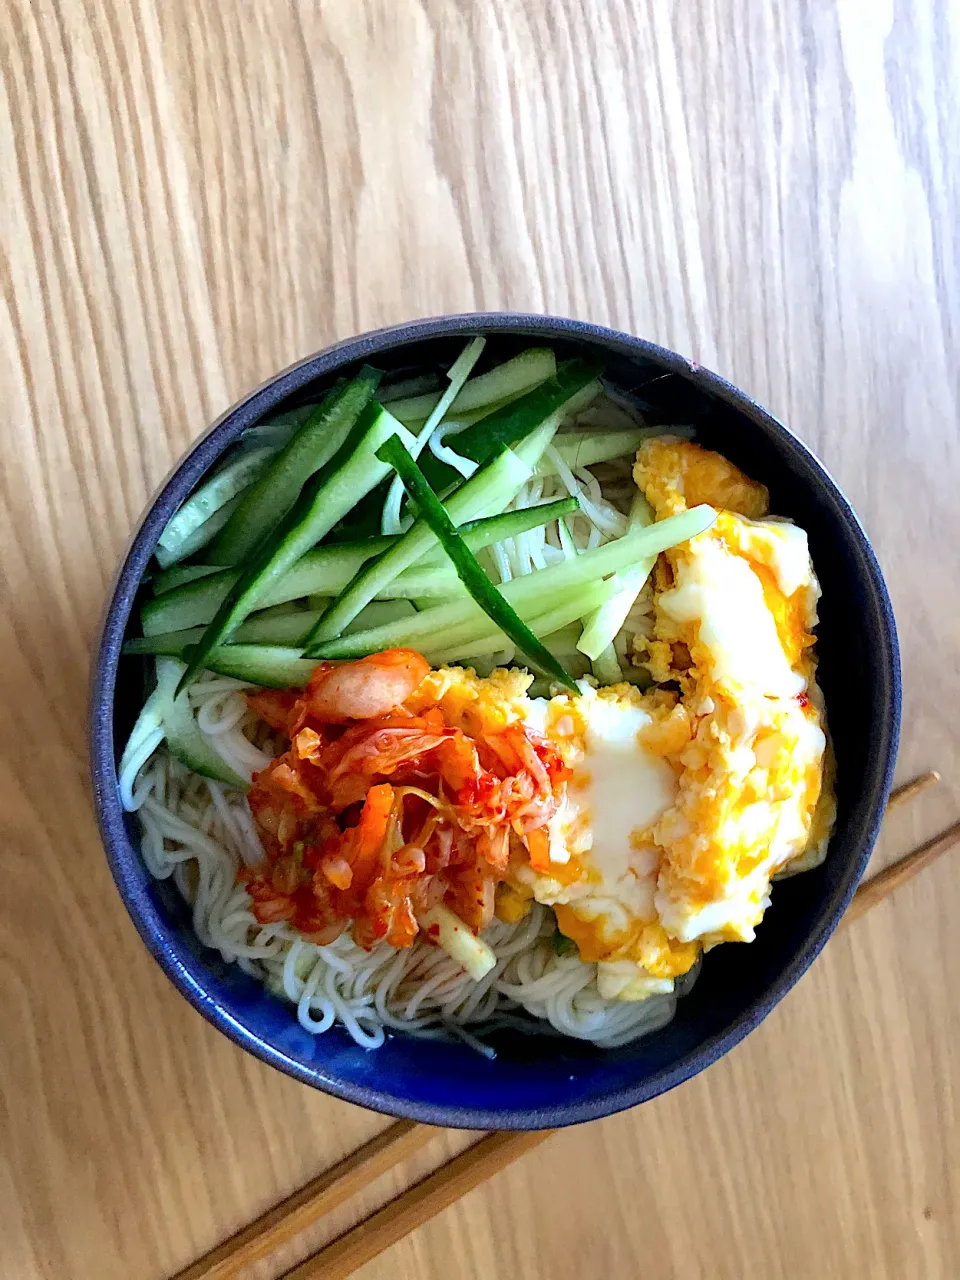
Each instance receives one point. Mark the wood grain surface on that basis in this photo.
(194, 193)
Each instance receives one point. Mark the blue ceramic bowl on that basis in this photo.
(538, 1082)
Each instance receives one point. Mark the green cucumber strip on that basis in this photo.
(505, 382)
(145, 736)
(287, 607)
(381, 612)
(179, 575)
(420, 385)
(586, 448)
(325, 499)
(484, 533)
(203, 535)
(178, 539)
(326, 571)
(516, 420)
(184, 739)
(540, 588)
(310, 448)
(601, 626)
(468, 570)
(494, 485)
(271, 667)
(457, 375)
(272, 628)
(171, 643)
(323, 570)
(275, 432)
(606, 666)
(591, 596)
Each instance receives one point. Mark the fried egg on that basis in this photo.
(734, 611)
(686, 801)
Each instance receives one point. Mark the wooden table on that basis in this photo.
(194, 193)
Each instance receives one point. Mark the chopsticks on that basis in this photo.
(422, 1201)
(320, 1196)
(417, 1205)
(910, 790)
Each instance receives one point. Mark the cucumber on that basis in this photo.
(277, 432)
(601, 626)
(179, 575)
(171, 643)
(504, 383)
(184, 739)
(327, 571)
(325, 499)
(312, 446)
(267, 627)
(494, 486)
(591, 596)
(380, 612)
(485, 532)
(404, 389)
(548, 402)
(586, 448)
(271, 667)
(606, 666)
(534, 592)
(457, 375)
(184, 533)
(469, 570)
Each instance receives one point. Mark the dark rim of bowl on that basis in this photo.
(182, 479)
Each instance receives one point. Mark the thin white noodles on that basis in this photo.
(200, 833)
(466, 466)
(132, 766)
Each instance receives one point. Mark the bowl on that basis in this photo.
(539, 1082)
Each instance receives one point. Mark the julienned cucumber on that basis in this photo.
(179, 575)
(505, 382)
(494, 486)
(273, 629)
(328, 570)
(324, 570)
(325, 499)
(468, 570)
(285, 667)
(184, 739)
(606, 666)
(586, 448)
(310, 448)
(457, 375)
(532, 593)
(516, 420)
(179, 538)
(272, 667)
(418, 385)
(602, 625)
(204, 534)
(591, 596)
(489, 427)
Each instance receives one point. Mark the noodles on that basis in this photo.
(201, 833)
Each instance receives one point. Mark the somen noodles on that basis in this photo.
(370, 804)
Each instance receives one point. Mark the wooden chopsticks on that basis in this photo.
(419, 1203)
(416, 1206)
(320, 1196)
